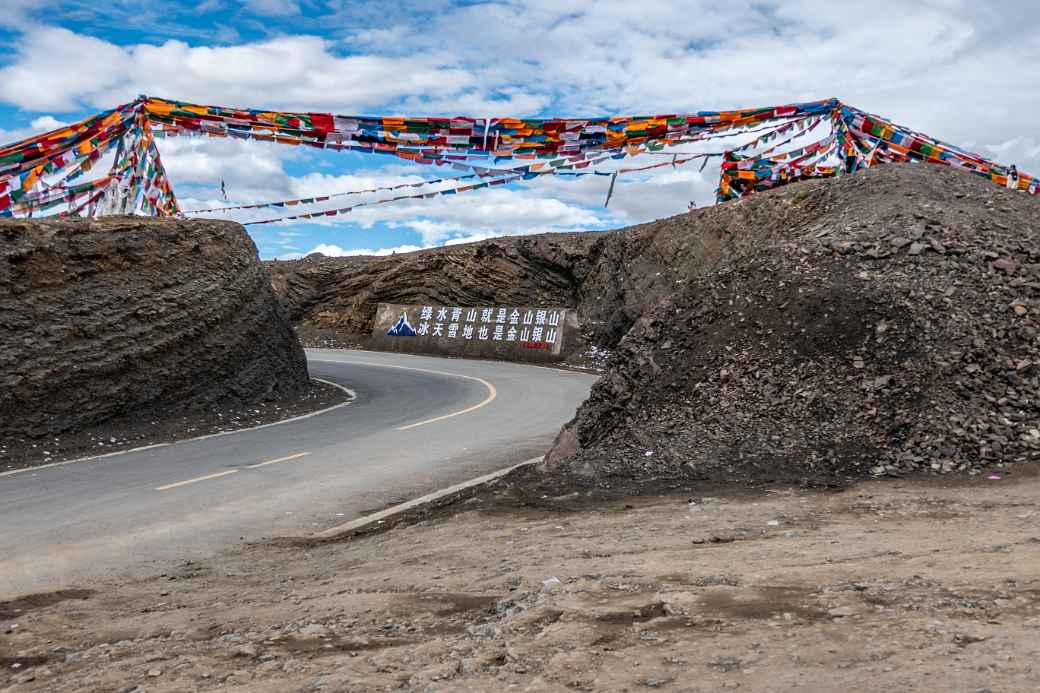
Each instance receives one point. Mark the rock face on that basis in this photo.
(135, 317)
(880, 323)
(610, 278)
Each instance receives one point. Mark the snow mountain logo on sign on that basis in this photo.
(401, 328)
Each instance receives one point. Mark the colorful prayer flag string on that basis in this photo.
(37, 173)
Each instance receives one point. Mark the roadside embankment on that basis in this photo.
(883, 323)
(123, 322)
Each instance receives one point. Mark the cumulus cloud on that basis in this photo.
(954, 68)
(333, 250)
(291, 72)
(46, 123)
(16, 13)
(964, 71)
(251, 170)
(495, 212)
(273, 8)
(50, 73)
(498, 211)
(37, 126)
(336, 251)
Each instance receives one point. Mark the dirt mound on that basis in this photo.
(129, 317)
(878, 323)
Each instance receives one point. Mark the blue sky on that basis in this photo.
(963, 71)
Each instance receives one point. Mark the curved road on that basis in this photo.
(417, 424)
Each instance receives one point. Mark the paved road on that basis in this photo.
(417, 424)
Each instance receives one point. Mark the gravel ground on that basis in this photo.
(925, 585)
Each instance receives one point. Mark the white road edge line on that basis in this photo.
(492, 392)
(280, 459)
(382, 515)
(353, 396)
(167, 487)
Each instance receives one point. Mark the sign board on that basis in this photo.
(526, 333)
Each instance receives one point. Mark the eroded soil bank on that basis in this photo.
(877, 324)
(127, 331)
(889, 585)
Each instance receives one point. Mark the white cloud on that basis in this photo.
(497, 211)
(206, 6)
(494, 212)
(273, 8)
(16, 13)
(333, 250)
(948, 67)
(36, 126)
(252, 171)
(956, 69)
(292, 72)
(46, 123)
(51, 74)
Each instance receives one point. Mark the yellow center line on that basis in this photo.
(280, 459)
(492, 393)
(167, 487)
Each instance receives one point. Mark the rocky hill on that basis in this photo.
(881, 323)
(101, 319)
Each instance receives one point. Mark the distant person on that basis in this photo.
(691, 206)
(1012, 177)
(850, 163)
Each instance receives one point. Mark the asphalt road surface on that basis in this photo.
(416, 424)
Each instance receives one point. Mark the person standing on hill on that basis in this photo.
(1012, 177)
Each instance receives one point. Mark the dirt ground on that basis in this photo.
(901, 585)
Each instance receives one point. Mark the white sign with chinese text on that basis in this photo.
(511, 326)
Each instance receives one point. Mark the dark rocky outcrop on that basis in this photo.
(132, 317)
(881, 323)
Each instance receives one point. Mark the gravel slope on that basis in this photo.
(879, 323)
